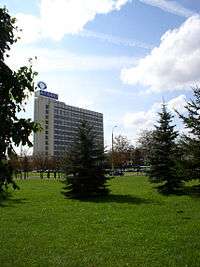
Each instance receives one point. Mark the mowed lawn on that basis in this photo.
(134, 226)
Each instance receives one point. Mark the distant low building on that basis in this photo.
(60, 123)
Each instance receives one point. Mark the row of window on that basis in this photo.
(75, 123)
(62, 143)
(67, 134)
(78, 119)
(74, 110)
(63, 137)
(60, 137)
(74, 126)
(70, 123)
(60, 148)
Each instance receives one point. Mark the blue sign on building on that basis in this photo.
(48, 94)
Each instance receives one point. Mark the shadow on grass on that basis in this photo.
(127, 199)
(192, 191)
(8, 201)
(113, 198)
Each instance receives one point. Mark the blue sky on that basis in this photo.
(117, 57)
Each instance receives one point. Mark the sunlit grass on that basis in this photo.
(134, 226)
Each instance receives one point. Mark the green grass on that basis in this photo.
(135, 226)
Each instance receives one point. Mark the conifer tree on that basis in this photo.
(84, 166)
(162, 157)
(191, 142)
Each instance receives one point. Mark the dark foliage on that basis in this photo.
(84, 166)
(15, 86)
(163, 156)
(190, 143)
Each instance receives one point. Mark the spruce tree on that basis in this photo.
(162, 157)
(84, 166)
(191, 142)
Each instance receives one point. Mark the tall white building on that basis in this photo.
(60, 123)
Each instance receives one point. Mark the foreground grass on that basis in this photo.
(135, 226)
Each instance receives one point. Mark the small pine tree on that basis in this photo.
(162, 157)
(191, 142)
(84, 166)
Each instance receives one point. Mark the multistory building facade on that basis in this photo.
(60, 124)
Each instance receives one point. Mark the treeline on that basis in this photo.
(25, 166)
(124, 157)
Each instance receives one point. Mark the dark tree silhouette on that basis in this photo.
(162, 158)
(15, 87)
(190, 143)
(84, 166)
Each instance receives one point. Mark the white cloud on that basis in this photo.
(178, 103)
(60, 17)
(120, 3)
(145, 120)
(174, 64)
(170, 6)
(49, 60)
(31, 27)
(141, 120)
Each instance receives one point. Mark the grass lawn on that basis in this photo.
(135, 226)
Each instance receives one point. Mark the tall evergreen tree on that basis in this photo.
(85, 174)
(162, 157)
(191, 143)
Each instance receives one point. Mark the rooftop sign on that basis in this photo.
(48, 94)
(42, 85)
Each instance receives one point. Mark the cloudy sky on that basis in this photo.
(119, 57)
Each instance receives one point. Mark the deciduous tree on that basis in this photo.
(15, 87)
(121, 151)
(145, 142)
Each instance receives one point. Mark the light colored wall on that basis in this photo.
(39, 139)
(40, 116)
